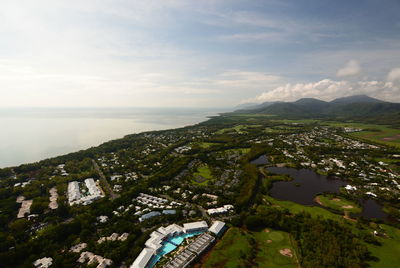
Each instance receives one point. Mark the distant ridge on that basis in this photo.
(356, 99)
(357, 106)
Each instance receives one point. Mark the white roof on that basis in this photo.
(143, 259)
(43, 262)
(195, 225)
(216, 227)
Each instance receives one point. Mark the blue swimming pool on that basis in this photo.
(170, 245)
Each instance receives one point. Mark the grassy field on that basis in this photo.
(240, 248)
(376, 133)
(389, 252)
(297, 208)
(269, 244)
(240, 150)
(205, 145)
(304, 121)
(239, 129)
(203, 171)
(339, 204)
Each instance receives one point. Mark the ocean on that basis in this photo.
(32, 134)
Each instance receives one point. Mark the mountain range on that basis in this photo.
(357, 106)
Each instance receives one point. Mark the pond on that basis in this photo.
(306, 184)
(261, 160)
(371, 209)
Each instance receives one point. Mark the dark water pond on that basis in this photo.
(262, 160)
(306, 184)
(371, 209)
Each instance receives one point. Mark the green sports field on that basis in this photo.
(241, 248)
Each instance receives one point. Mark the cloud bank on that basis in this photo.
(328, 89)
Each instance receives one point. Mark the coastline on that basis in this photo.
(60, 133)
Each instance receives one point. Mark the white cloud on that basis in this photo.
(351, 68)
(327, 89)
(394, 75)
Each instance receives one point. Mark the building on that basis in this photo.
(182, 260)
(201, 243)
(91, 258)
(144, 258)
(74, 195)
(217, 228)
(189, 254)
(92, 187)
(220, 210)
(43, 262)
(195, 226)
(149, 215)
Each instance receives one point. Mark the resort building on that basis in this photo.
(195, 226)
(217, 228)
(182, 260)
(166, 239)
(149, 215)
(144, 258)
(194, 249)
(220, 210)
(75, 197)
(201, 243)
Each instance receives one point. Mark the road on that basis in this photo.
(104, 180)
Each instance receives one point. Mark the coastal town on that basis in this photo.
(165, 198)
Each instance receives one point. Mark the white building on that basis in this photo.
(43, 262)
(195, 226)
(143, 259)
(220, 210)
(74, 195)
(217, 227)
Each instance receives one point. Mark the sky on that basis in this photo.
(203, 53)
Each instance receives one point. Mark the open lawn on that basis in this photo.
(269, 244)
(339, 204)
(389, 252)
(205, 145)
(240, 248)
(297, 208)
(202, 176)
(239, 129)
(204, 171)
(239, 150)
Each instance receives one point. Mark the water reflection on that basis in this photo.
(306, 184)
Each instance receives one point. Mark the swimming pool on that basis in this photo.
(170, 245)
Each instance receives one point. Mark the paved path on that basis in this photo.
(104, 180)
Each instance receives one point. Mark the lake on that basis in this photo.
(306, 184)
(33, 134)
(261, 160)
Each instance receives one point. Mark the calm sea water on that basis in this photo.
(28, 135)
